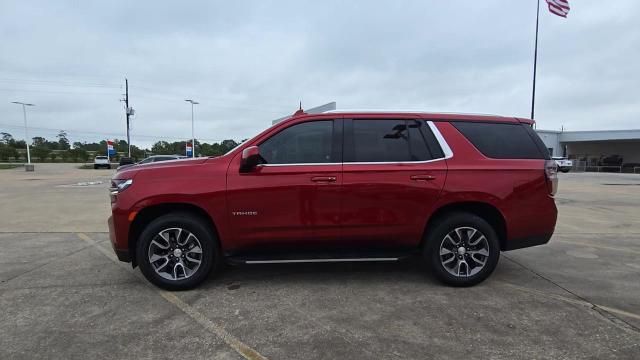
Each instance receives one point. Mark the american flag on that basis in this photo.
(559, 7)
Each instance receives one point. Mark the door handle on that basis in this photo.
(423, 177)
(323, 179)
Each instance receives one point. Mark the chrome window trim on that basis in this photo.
(298, 164)
(448, 153)
(446, 150)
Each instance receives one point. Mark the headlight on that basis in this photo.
(118, 186)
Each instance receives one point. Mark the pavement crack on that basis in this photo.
(4, 282)
(600, 310)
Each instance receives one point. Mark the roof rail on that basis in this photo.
(409, 111)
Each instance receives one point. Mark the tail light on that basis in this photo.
(551, 174)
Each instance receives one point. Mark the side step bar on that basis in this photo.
(287, 257)
(330, 260)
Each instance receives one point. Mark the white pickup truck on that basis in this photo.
(564, 165)
(101, 161)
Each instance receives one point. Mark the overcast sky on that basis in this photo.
(248, 62)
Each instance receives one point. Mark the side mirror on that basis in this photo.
(250, 159)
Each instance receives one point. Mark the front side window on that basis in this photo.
(390, 141)
(304, 143)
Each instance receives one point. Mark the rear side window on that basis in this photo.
(310, 142)
(389, 141)
(500, 140)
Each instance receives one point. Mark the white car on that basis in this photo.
(564, 164)
(101, 161)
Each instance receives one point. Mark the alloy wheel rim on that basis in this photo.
(175, 254)
(464, 251)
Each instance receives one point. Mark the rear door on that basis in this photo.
(393, 172)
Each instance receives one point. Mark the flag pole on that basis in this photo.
(535, 65)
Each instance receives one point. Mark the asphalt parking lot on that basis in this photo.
(63, 294)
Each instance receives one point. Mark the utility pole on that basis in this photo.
(126, 104)
(193, 136)
(28, 166)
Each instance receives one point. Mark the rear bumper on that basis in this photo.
(529, 241)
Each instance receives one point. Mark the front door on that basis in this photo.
(292, 200)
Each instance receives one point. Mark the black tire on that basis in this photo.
(109, 167)
(95, 167)
(207, 238)
(436, 236)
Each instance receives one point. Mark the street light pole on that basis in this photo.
(28, 167)
(193, 136)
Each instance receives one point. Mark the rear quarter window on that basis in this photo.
(501, 140)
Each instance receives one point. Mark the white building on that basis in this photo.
(590, 148)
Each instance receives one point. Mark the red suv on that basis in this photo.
(343, 186)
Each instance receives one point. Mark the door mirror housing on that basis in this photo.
(250, 159)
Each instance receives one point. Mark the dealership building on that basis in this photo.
(599, 150)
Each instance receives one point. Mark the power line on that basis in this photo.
(60, 92)
(58, 83)
(71, 131)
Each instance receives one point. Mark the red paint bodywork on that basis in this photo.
(340, 204)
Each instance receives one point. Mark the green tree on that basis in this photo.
(39, 141)
(77, 154)
(40, 152)
(7, 139)
(63, 141)
(7, 152)
(64, 155)
(162, 147)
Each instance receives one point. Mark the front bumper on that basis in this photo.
(123, 254)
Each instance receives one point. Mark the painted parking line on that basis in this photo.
(241, 348)
(598, 246)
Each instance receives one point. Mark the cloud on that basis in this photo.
(250, 62)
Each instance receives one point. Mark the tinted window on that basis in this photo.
(147, 160)
(163, 158)
(421, 136)
(500, 140)
(389, 141)
(309, 142)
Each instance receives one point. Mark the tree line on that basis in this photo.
(60, 149)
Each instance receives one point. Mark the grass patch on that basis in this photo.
(9, 166)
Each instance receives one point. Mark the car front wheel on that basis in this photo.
(462, 249)
(177, 251)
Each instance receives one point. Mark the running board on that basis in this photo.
(291, 261)
(283, 257)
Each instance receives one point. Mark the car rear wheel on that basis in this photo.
(462, 249)
(177, 251)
